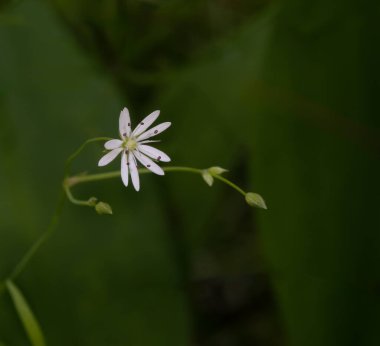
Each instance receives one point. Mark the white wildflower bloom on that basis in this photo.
(133, 147)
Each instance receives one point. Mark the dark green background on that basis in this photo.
(283, 94)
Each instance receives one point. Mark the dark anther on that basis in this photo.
(142, 123)
(159, 158)
(156, 131)
(124, 134)
(148, 166)
(129, 124)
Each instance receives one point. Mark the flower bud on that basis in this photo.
(103, 208)
(255, 200)
(216, 170)
(207, 177)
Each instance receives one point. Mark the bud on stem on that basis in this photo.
(255, 200)
(103, 208)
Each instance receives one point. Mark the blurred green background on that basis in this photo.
(283, 94)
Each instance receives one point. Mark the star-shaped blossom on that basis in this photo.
(133, 147)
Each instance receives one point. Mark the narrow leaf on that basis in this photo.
(26, 315)
(207, 177)
(216, 170)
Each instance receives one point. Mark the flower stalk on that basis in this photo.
(100, 207)
(132, 147)
(71, 181)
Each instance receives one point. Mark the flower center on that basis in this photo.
(130, 144)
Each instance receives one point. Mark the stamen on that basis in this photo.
(156, 131)
(148, 166)
(142, 123)
(159, 158)
(129, 124)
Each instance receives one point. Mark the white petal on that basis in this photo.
(134, 172)
(124, 123)
(154, 131)
(113, 144)
(107, 158)
(154, 153)
(147, 121)
(124, 168)
(149, 141)
(148, 163)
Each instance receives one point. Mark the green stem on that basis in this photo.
(79, 150)
(69, 182)
(54, 219)
(230, 183)
(182, 169)
(78, 179)
(41, 240)
(72, 199)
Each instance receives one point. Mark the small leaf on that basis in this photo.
(255, 200)
(26, 315)
(103, 208)
(207, 177)
(216, 170)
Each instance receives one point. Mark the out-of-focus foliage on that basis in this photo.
(141, 42)
(283, 94)
(26, 315)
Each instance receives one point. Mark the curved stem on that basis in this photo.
(79, 150)
(41, 240)
(69, 182)
(72, 199)
(54, 219)
(230, 183)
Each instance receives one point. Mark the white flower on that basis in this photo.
(133, 146)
